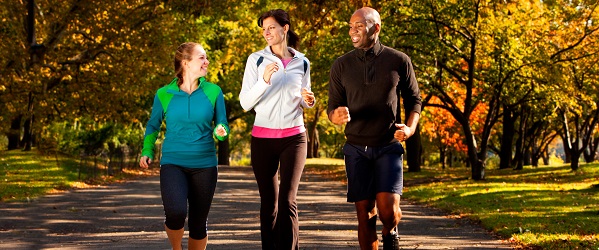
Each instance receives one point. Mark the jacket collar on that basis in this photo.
(174, 88)
(296, 54)
(374, 51)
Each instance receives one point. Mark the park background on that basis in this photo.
(507, 85)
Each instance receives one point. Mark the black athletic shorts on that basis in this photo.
(371, 170)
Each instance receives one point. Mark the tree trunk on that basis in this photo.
(313, 136)
(534, 161)
(520, 143)
(582, 139)
(223, 152)
(519, 156)
(478, 170)
(546, 157)
(14, 134)
(478, 167)
(567, 153)
(33, 59)
(575, 158)
(314, 144)
(442, 157)
(27, 134)
(28, 126)
(414, 151)
(507, 139)
(590, 153)
(535, 154)
(527, 156)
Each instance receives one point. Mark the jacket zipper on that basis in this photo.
(189, 106)
(284, 80)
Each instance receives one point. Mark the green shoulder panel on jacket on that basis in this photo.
(164, 96)
(211, 90)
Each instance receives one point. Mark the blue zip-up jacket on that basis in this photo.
(191, 121)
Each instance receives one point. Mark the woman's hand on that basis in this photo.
(221, 131)
(145, 162)
(308, 96)
(269, 70)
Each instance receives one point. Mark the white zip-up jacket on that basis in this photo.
(278, 105)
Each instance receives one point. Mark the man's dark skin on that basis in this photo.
(365, 27)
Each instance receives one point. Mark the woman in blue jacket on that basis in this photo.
(276, 84)
(193, 111)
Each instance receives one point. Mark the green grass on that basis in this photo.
(549, 207)
(28, 175)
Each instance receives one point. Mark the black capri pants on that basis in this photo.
(179, 185)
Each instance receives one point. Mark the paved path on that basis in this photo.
(129, 216)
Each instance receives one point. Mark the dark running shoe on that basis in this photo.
(391, 241)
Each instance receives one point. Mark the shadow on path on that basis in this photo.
(130, 216)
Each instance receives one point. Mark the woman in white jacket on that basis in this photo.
(276, 84)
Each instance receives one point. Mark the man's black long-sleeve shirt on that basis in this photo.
(370, 84)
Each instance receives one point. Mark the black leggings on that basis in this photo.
(179, 185)
(278, 206)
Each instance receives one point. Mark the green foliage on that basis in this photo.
(3, 142)
(553, 159)
(332, 139)
(492, 162)
(131, 137)
(61, 137)
(245, 161)
(330, 167)
(239, 141)
(94, 141)
(86, 137)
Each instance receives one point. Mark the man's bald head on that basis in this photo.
(364, 28)
(371, 15)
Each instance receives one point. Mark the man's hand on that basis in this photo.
(340, 116)
(403, 132)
